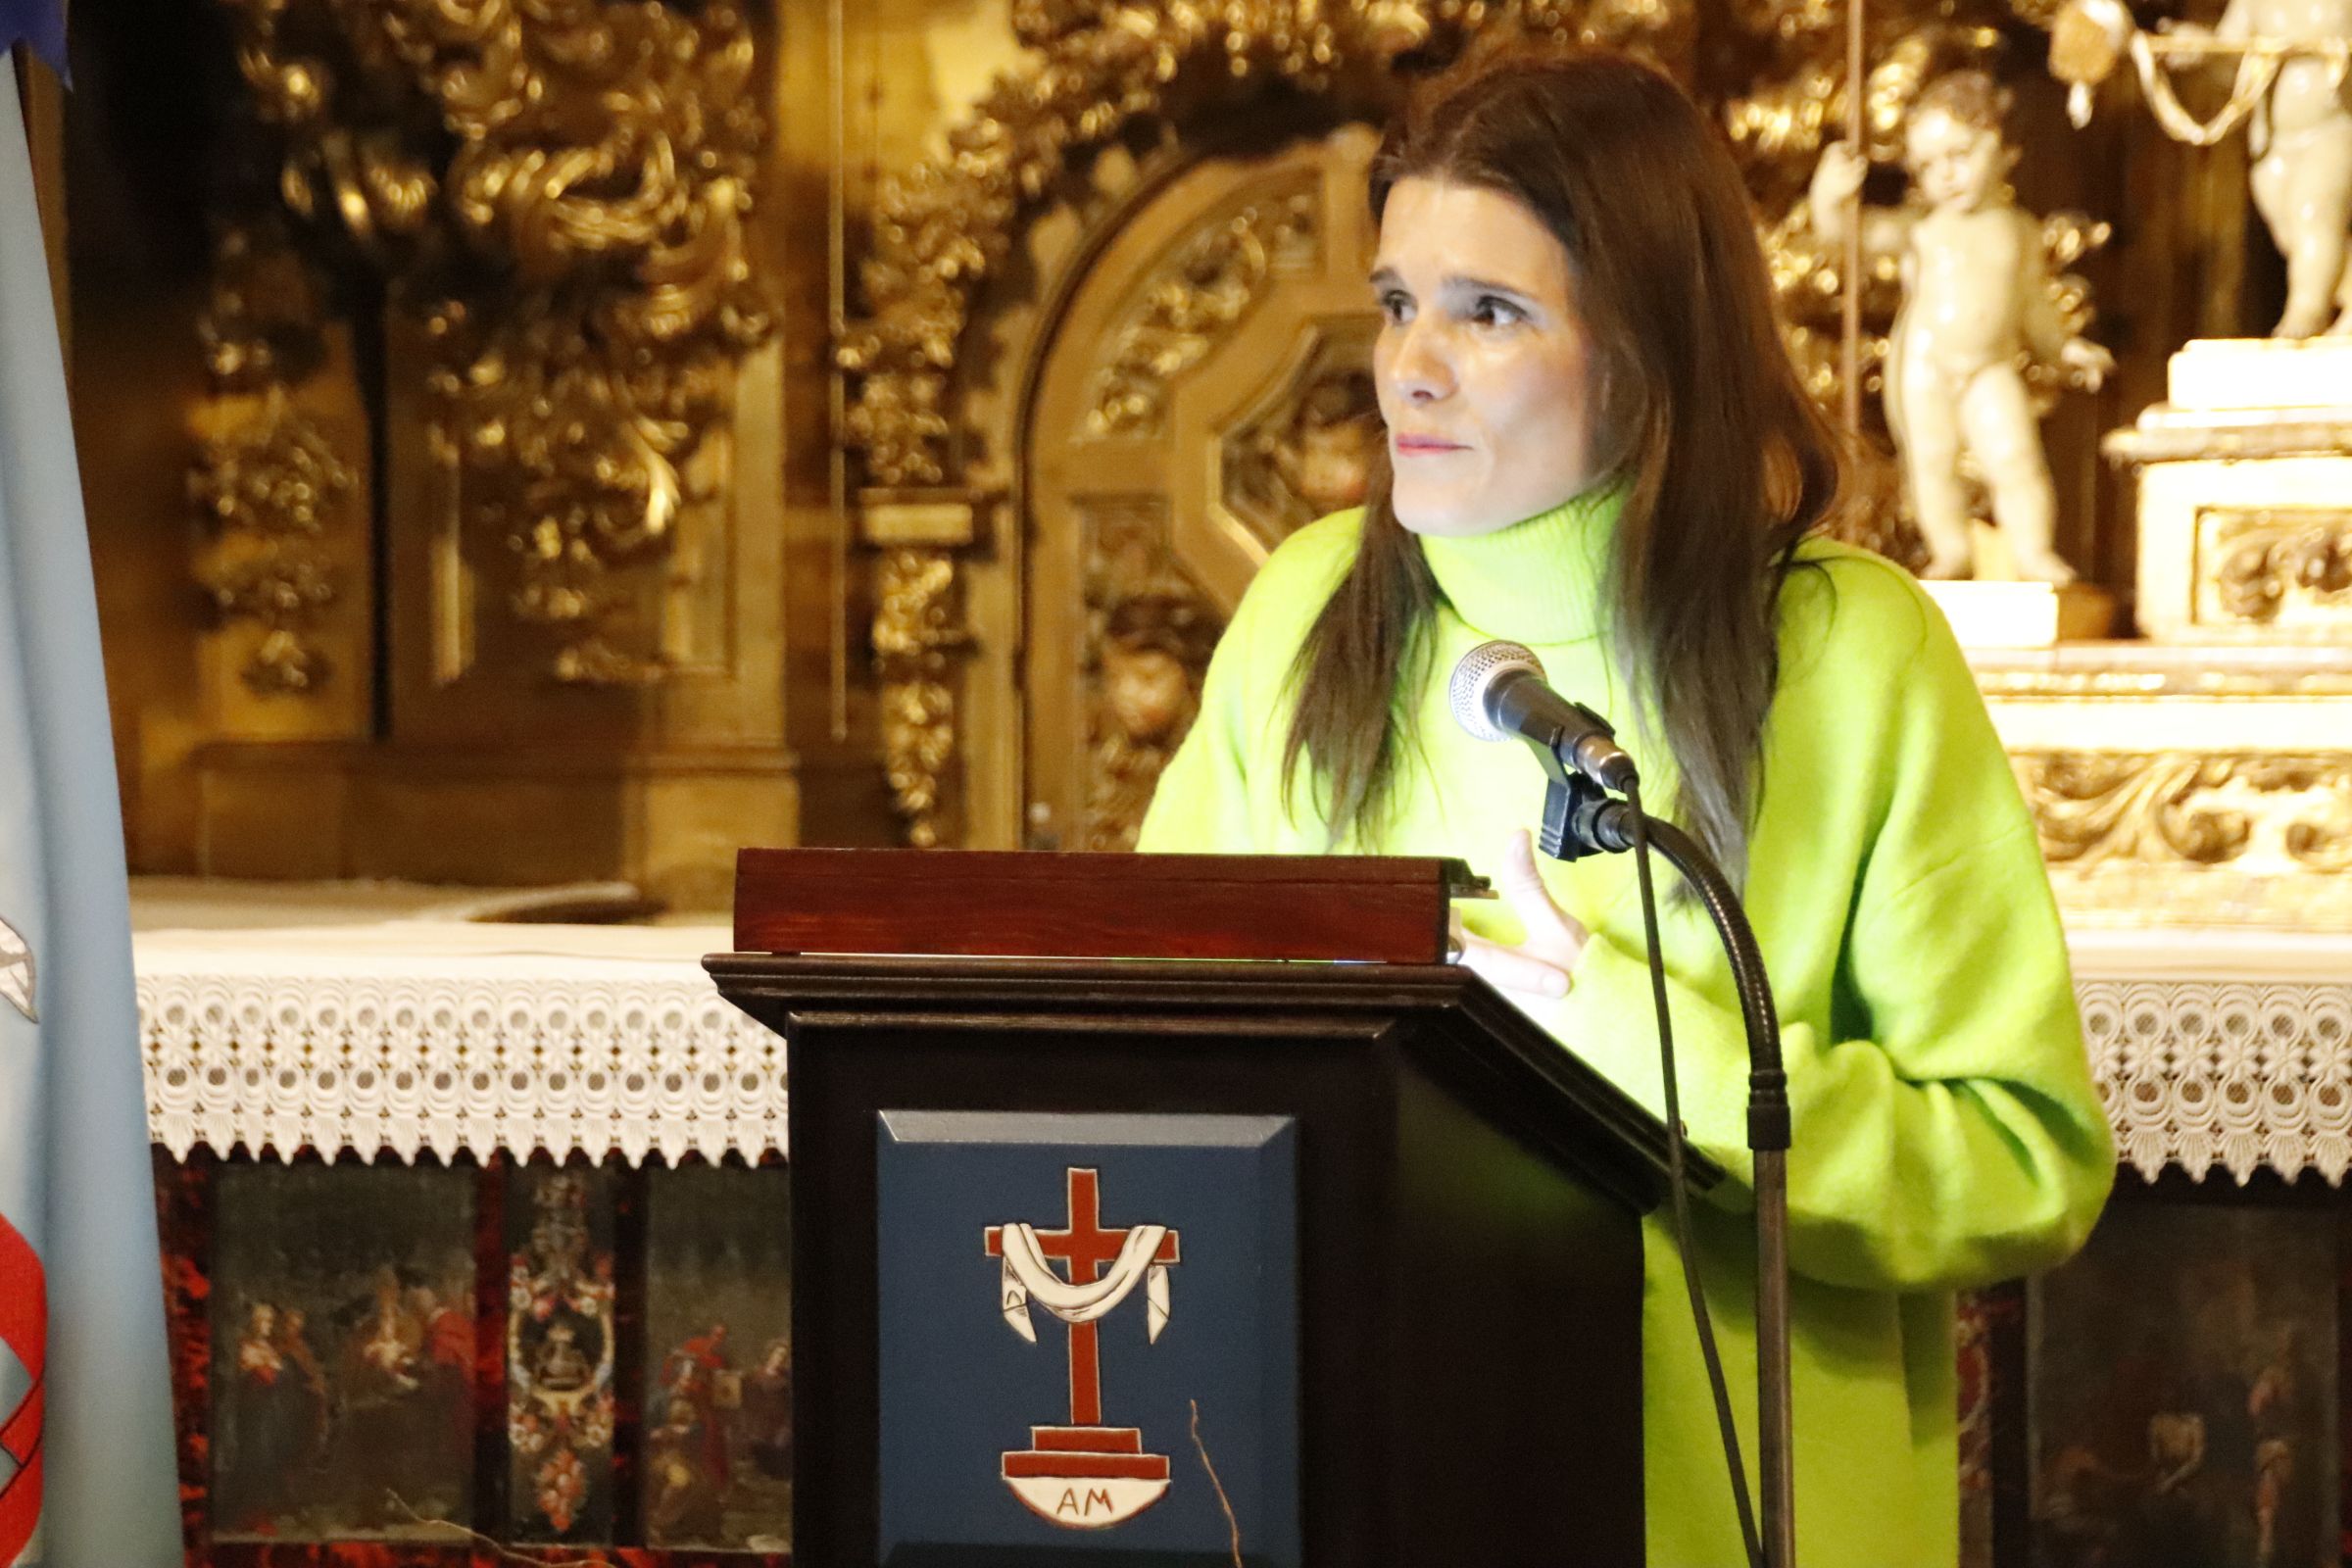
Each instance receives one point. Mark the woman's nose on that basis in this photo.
(1418, 369)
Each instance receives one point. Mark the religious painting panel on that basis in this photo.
(1088, 1333)
(560, 1346)
(2185, 1388)
(343, 1331)
(717, 1393)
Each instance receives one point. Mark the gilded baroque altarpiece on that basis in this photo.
(627, 432)
(617, 434)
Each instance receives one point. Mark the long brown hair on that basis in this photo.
(1725, 460)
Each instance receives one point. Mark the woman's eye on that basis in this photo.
(1491, 312)
(1395, 306)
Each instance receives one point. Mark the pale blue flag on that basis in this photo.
(87, 1475)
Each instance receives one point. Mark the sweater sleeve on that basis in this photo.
(1946, 1129)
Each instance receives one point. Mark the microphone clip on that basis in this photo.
(1581, 819)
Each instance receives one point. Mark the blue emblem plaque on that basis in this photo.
(1089, 1337)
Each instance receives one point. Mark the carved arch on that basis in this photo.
(947, 226)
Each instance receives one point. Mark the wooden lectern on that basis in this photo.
(1117, 1241)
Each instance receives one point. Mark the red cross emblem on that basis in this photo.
(1084, 1476)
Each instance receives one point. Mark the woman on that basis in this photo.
(1597, 447)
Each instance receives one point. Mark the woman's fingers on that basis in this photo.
(1541, 965)
(1514, 968)
(1551, 934)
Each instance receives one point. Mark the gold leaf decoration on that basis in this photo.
(945, 225)
(2268, 565)
(267, 487)
(919, 629)
(557, 190)
(1196, 295)
(2258, 812)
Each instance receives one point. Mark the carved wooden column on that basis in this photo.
(919, 638)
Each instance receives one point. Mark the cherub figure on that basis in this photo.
(2292, 58)
(2301, 145)
(1976, 308)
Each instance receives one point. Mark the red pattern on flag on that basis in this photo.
(24, 1327)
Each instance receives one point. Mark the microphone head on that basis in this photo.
(1475, 678)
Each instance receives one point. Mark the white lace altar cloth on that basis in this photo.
(408, 1037)
(2222, 1050)
(2213, 1050)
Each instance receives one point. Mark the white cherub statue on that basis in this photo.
(1977, 307)
(2301, 141)
(2292, 58)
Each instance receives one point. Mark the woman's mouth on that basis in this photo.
(1422, 446)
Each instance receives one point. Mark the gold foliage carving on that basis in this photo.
(1199, 293)
(947, 225)
(918, 632)
(1149, 635)
(1311, 453)
(557, 190)
(267, 482)
(2266, 565)
(2261, 813)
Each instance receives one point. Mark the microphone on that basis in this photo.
(1498, 691)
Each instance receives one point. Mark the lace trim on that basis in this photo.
(2199, 1074)
(2240, 1075)
(283, 1062)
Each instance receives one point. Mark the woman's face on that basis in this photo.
(1484, 367)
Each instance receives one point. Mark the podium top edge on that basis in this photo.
(1112, 864)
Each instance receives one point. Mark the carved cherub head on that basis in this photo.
(1332, 437)
(1146, 682)
(1954, 143)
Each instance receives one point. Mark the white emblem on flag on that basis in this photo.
(16, 971)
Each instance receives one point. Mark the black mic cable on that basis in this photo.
(1717, 1382)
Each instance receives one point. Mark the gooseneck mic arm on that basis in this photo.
(1614, 826)
(1606, 826)
(1498, 692)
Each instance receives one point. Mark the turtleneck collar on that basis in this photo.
(1536, 581)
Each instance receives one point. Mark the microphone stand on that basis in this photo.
(1579, 820)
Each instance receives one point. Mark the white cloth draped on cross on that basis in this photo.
(1028, 1277)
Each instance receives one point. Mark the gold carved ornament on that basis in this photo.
(556, 192)
(1197, 296)
(2261, 813)
(267, 482)
(919, 629)
(944, 227)
(2285, 564)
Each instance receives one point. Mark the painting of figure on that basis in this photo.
(343, 1348)
(2183, 1391)
(560, 1404)
(718, 1358)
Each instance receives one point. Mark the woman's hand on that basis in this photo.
(1545, 964)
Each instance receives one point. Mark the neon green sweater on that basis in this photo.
(1947, 1130)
